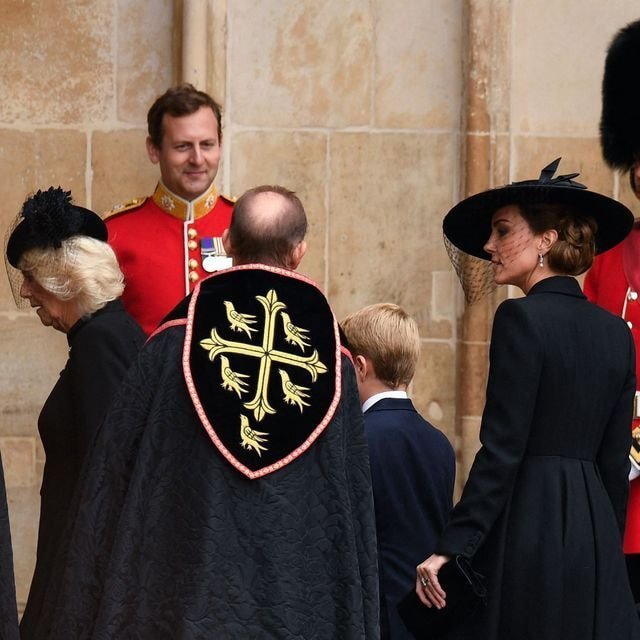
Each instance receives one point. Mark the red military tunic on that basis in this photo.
(608, 285)
(161, 243)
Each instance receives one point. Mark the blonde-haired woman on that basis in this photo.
(59, 262)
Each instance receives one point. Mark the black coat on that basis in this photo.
(8, 608)
(543, 510)
(101, 349)
(170, 541)
(413, 469)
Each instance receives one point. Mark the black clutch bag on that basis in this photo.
(465, 591)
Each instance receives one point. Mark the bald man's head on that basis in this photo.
(268, 226)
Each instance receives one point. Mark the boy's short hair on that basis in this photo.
(388, 336)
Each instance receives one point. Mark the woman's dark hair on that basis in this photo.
(575, 249)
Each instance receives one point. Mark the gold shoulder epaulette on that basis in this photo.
(127, 206)
(230, 199)
(635, 446)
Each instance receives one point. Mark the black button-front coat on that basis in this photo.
(102, 346)
(543, 510)
(413, 468)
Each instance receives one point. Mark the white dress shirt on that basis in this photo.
(369, 402)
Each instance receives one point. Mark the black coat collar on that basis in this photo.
(565, 285)
(112, 306)
(386, 404)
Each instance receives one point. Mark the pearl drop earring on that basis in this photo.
(540, 260)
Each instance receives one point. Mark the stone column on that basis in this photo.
(195, 21)
(486, 161)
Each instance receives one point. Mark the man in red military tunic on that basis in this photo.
(167, 242)
(614, 280)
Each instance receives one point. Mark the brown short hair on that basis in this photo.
(267, 241)
(388, 336)
(575, 249)
(181, 100)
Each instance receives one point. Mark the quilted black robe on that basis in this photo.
(170, 541)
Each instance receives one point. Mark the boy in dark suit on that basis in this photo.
(412, 463)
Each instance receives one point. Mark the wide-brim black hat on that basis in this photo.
(468, 225)
(47, 218)
(620, 118)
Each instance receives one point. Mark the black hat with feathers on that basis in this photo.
(47, 218)
(620, 119)
(468, 225)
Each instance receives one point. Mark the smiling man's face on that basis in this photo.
(189, 154)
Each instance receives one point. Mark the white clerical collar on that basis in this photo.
(369, 402)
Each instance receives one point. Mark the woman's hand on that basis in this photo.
(427, 586)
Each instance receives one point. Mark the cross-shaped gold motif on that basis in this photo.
(216, 345)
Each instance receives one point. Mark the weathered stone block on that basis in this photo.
(121, 168)
(24, 516)
(418, 65)
(57, 61)
(32, 358)
(433, 387)
(556, 89)
(18, 461)
(301, 63)
(297, 161)
(388, 194)
(37, 160)
(446, 299)
(145, 66)
(581, 155)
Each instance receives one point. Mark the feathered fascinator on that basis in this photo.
(620, 119)
(47, 218)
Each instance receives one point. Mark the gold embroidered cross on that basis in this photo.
(259, 404)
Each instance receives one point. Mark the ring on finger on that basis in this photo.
(424, 581)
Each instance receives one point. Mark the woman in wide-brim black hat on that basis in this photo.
(586, 223)
(59, 263)
(543, 510)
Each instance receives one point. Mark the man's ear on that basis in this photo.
(298, 254)
(152, 151)
(226, 243)
(361, 367)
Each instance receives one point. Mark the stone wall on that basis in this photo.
(379, 114)
(77, 79)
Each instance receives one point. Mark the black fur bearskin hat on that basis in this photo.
(620, 119)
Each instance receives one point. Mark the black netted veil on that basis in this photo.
(45, 220)
(475, 274)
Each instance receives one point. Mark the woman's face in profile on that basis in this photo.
(53, 312)
(513, 248)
